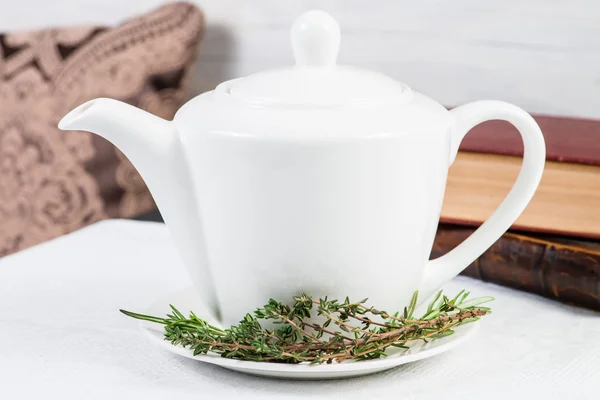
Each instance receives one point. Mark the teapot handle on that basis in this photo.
(446, 267)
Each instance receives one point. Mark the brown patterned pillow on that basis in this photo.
(54, 182)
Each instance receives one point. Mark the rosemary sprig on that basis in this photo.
(362, 332)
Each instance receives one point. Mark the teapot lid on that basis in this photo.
(316, 79)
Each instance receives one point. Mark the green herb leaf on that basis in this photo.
(356, 334)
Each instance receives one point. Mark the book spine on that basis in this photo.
(567, 273)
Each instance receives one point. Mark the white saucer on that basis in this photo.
(186, 300)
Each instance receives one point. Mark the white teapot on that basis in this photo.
(315, 178)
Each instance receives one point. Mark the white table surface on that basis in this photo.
(61, 335)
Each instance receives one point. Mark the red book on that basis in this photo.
(568, 199)
(573, 140)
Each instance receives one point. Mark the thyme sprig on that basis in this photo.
(362, 332)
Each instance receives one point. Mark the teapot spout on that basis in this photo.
(154, 147)
(135, 132)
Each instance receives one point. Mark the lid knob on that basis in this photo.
(315, 39)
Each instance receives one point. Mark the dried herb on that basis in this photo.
(362, 332)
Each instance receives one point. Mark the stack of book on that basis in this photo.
(553, 249)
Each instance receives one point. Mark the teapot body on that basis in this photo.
(321, 212)
(317, 178)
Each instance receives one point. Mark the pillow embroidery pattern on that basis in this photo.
(53, 182)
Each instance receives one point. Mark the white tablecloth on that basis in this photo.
(61, 335)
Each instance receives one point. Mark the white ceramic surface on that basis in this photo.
(315, 178)
(187, 299)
